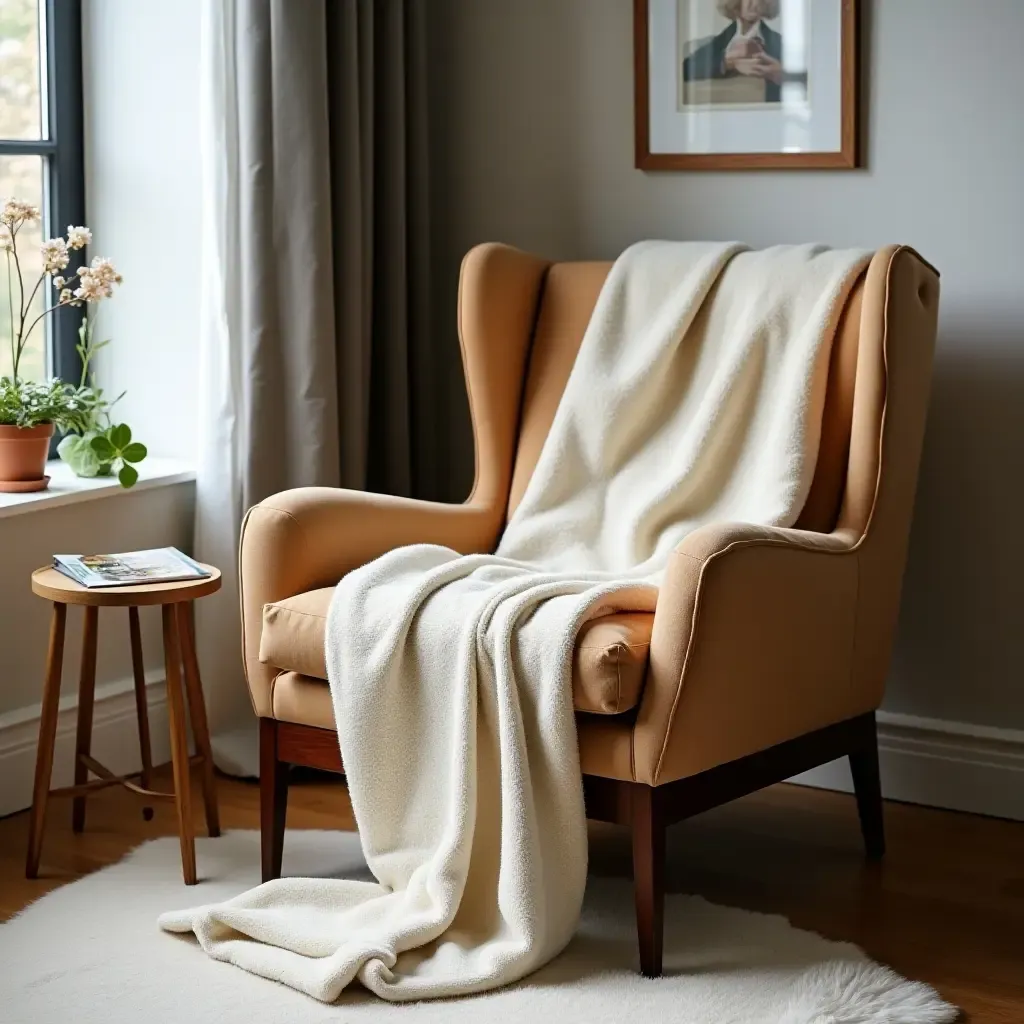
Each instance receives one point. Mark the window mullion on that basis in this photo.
(65, 164)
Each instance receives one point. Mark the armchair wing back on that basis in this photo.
(759, 635)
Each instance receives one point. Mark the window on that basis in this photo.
(41, 159)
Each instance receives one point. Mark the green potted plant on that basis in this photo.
(95, 445)
(30, 411)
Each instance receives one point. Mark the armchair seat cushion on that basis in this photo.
(609, 663)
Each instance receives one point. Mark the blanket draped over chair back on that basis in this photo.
(696, 397)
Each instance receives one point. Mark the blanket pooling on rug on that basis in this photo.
(696, 397)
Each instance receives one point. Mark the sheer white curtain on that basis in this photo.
(317, 365)
(267, 375)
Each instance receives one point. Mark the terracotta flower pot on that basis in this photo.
(23, 452)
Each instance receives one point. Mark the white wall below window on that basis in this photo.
(141, 84)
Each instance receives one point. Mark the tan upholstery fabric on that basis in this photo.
(608, 667)
(821, 510)
(899, 320)
(566, 302)
(610, 662)
(759, 634)
(302, 700)
(499, 291)
(606, 746)
(294, 631)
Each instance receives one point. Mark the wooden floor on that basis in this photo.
(946, 906)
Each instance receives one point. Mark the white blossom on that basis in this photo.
(55, 254)
(59, 282)
(90, 290)
(78, 237)
(102, 268)
(96, 281)
(65, 295)
(15, 211)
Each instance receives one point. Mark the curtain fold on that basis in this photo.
(315, 364)
(377, 86)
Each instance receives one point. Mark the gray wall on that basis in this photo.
(532, 121)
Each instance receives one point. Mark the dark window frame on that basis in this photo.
(64, 150)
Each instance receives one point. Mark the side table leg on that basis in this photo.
(197, 712)
(86, 696)
(47, 735)
(141, 707)
(179, 745)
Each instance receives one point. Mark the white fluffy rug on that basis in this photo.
(91, 952)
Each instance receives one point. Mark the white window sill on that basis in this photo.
(67, 489)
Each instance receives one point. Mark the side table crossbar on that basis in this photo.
(106, 778)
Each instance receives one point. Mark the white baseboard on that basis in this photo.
(939, 763)
(115, 738)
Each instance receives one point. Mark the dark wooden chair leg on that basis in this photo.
(273, 800)
(867, 784)
(648, 827)
(86, 697)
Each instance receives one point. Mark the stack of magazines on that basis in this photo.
(130, 568)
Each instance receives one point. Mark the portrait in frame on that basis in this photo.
(734, 84)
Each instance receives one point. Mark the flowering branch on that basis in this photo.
(92, 445)
(95, 282)
(32, 294)
(21, 294)
(10, 302)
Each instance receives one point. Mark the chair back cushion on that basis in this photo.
(567, 300)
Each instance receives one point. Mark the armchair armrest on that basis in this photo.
(752, 645)
(310, 537)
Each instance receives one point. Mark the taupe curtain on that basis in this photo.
(377, 90)
(316, 363)
(282, 332)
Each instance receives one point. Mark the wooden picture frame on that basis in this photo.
(844, 157)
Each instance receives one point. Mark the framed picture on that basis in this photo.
(734, 84)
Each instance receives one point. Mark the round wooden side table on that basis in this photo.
(182, 669)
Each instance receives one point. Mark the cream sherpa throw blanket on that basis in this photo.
(697, 396)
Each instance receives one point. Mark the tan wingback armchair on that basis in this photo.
(768, 651)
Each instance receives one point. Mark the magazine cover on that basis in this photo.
(129, 568)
